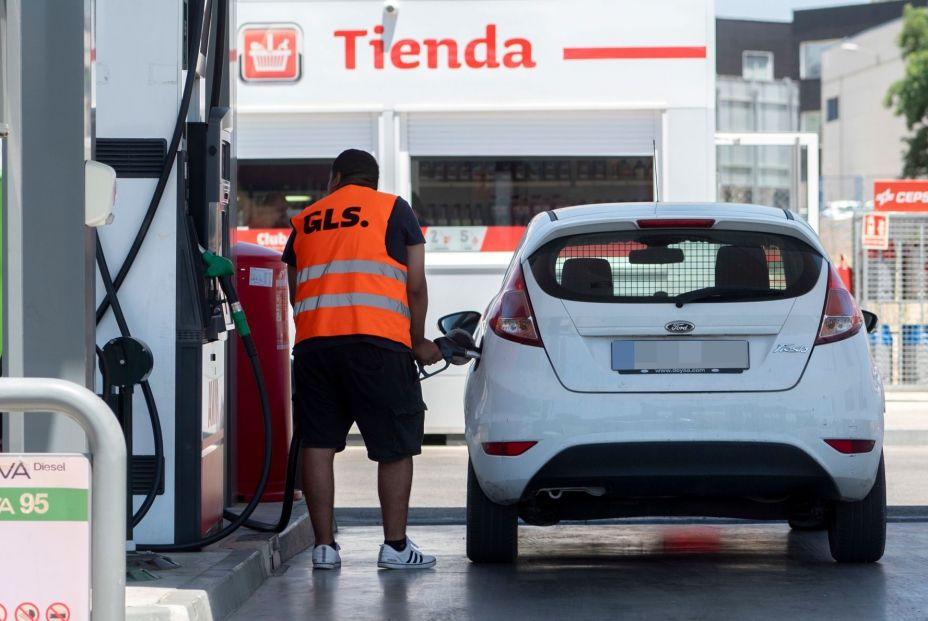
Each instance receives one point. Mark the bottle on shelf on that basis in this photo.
(583, 170)
(466, 171)
(612, 169)
(452, 171)
(426, 169)
(599, 170)
(639, 170)
(549, 170)
(625, 169)
(535, 170)
(563, 170)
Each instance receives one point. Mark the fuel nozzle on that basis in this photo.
(457, 347)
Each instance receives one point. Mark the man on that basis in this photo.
(357, 286)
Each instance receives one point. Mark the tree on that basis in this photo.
(909, 96)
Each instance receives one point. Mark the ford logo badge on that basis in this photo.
(679, 327)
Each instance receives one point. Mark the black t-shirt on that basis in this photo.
(402, 230)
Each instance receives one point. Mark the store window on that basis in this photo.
(810, 58)
(831, 109)
(270, 192)
(454, 191)
(757, 66)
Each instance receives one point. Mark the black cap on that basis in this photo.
(357, 166)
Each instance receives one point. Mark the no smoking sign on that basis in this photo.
(27, 612)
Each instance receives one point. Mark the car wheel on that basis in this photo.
(857, 530)
(492, 529)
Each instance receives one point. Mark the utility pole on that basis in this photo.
(48, 263)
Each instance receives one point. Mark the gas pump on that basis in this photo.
(150, 85)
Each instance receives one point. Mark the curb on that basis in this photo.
(217, 592)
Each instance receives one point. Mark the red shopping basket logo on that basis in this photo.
(271, 53)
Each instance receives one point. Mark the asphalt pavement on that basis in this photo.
(628, 572)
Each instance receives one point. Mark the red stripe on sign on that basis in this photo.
(502, 238)
(625, 53)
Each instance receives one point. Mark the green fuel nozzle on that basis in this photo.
(217, 266)
(222, 268)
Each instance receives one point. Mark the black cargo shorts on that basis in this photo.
(375, 387)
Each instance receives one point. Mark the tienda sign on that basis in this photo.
(900, 195)
(271, 53)
(484, 51)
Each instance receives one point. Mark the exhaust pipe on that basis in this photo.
(554, 493)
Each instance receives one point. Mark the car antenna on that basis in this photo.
(656, 176)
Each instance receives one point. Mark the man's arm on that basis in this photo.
(291, 283)
(424, 350)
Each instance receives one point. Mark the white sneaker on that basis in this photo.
(410, 558)
(327, 557)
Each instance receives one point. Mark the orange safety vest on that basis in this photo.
(347, 283)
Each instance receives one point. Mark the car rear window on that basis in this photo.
(672, 265)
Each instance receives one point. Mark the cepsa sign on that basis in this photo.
(271, 53)
(900, 195)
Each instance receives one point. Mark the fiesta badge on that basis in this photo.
(679, 327)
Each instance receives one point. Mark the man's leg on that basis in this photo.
(394, 482)
(319, 486)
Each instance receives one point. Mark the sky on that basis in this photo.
(772, 9)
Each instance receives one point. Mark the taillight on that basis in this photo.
(507, 449)
(850, 447)
(511, 316)
(841, 318)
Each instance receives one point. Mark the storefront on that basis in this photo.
(482, 113)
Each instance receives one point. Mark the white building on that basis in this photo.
(483, 113)
(861, 138)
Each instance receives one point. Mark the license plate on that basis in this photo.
(679, 356)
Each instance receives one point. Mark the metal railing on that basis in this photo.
(108, 492)
(893, 283)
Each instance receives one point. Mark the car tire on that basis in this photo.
(857, 530)
(492, 529)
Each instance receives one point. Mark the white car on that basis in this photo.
(673, 360)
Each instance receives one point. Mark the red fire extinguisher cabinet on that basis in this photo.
(261, 282)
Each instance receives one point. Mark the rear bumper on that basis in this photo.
(733, 444)
(686, 470)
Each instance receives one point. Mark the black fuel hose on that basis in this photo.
(286, 512)
(252, 351)
(150, 403)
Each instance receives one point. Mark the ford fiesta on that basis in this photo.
(673, 360)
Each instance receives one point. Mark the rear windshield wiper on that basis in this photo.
(722, 293)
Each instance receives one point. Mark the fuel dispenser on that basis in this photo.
(150, 86)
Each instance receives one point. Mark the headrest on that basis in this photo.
(588, 276)
(742, 266)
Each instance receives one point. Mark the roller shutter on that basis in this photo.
(531, 133)
(303, 136)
